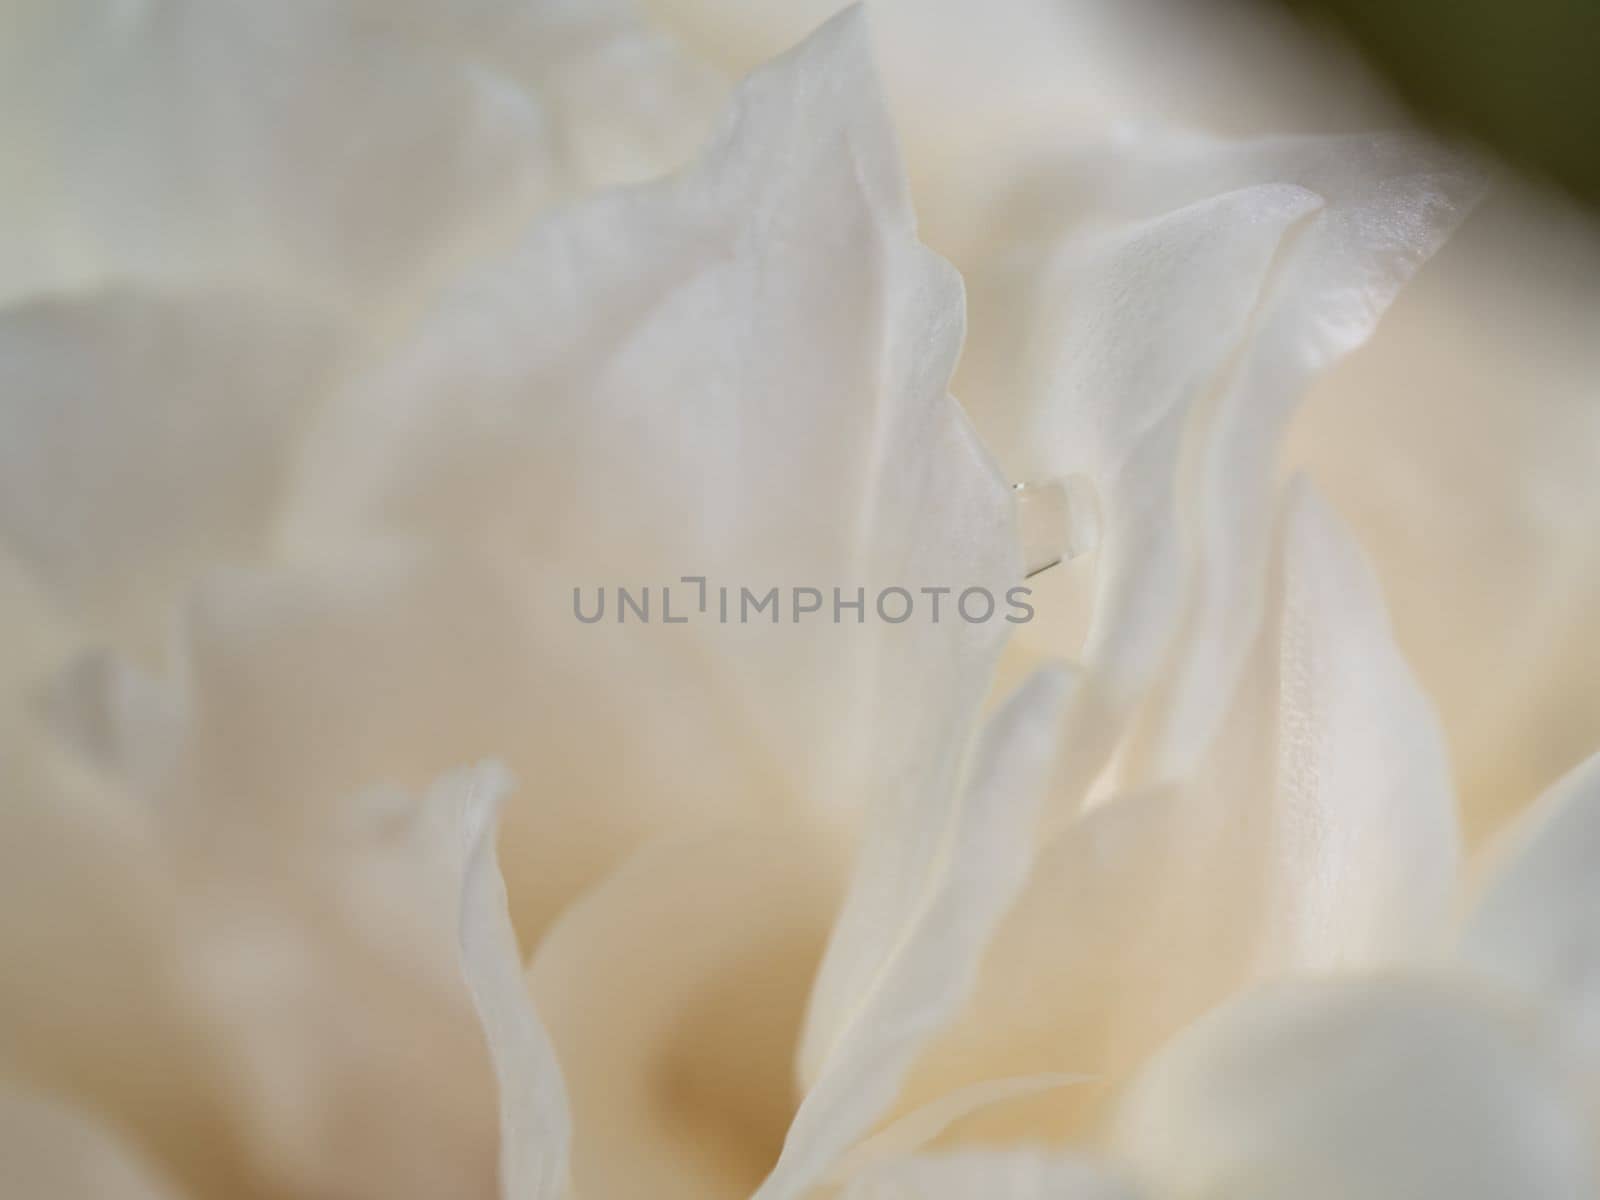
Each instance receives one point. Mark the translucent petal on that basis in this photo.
(1389, 203)
(1154, 335)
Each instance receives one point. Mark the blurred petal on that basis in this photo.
(1537, 924)
(146, 434)
(51, 1152)
(930, 886)
(1318, 833)
(624, 102)
(674, 993)
(212, 204)
(535, 1124)
(1395, 1089)
(978, 1176)
(343, 148)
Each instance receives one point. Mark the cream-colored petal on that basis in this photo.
(1536, 925)
(49, 1151)
(1362, 836)
(1391, 1089)
(1390, 201)
(1319, 833)
(673, 994)
(1147, 336)
(930, 885)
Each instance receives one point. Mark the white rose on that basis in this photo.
(339, 373)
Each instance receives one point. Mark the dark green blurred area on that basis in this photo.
(1522, 76)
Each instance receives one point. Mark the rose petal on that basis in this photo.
(1130, 329)
(1318, 833)
(930, 885)
(1363, 836)
(1389, 203)
(1173, 408)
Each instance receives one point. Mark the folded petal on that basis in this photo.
(1393, 1089)
(1536, 925)
(1152, 332)
(1389, 203)
(931, 884)
(1128, 332)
